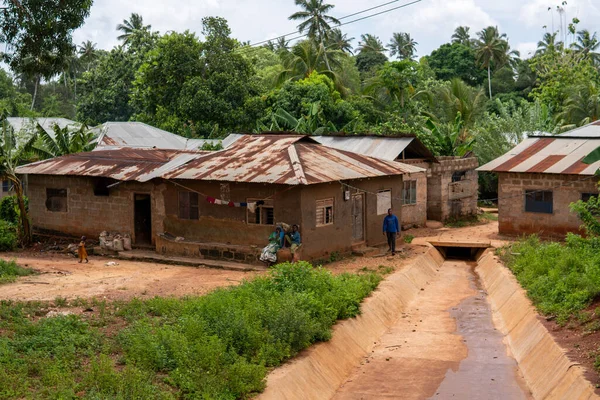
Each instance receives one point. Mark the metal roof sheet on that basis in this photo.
(386, 148)
(120, 164)
(285, 159)
(22, 124)
(550, 155)
(589, 130)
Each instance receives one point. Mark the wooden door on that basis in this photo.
(358, 217)
(142, 219)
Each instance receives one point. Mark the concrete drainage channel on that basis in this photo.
(453, 325)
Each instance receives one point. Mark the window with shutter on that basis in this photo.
(538, 201)
(409, 193)
(56, 200)
(324, 212)
(188, 205)
(264, 215)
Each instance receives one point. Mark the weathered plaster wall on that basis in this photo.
(415, 215)
(512, 217)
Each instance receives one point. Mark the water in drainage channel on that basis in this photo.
(444, 346)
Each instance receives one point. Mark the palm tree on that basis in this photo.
(587, 44)
(548, 44)
(88, 53)
(132, 26)
(65, 141)
(582, 105)
(316, 22)
(402, 45)
(339, 41)
(458, 98)
(462, 36)
(11, 156)
(305, 58)
(492, 49)
(370, 43)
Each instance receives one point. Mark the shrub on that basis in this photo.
(408, 238)
(10, 271)
(8, 236)
(9, 209)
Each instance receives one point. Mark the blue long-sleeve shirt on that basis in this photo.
(390, 224)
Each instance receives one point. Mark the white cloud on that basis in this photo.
(526, 49)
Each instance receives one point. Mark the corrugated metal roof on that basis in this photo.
(21, 124)
(550, 155)
(385, 148)
(589, 130)
(121, 164)
(285, 159)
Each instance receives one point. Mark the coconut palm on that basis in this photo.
(492, 50)
(462, 36)
(458, 98)
(305, 58)
(370, 44)
(403, 46)
(582, 105)
(88, 53)
(548, 44)
(316, 22)
(339, 41)
(130, 27)
(587, 44)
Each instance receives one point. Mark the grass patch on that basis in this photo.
(408, 238)
(479, 219)
(561, 280)
(217, 346)
(10, 271)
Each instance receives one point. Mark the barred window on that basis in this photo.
(325, 212)
(188, 205)
(409, 193)
(56, 200)
(263, 215)
(586, 196)
(539, 201)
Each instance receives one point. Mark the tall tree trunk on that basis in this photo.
(490, 80)
(325, 55)
(37, 82)
(25, 227)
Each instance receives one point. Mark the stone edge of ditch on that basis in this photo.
(547, 370)
(319, 371)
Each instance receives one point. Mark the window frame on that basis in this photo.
(58, 193)
(321, 207)
(412, 191)
(533, 205)
(583, 196)
(6, 186)
(190, 207)
(261, 214)
(380, 211)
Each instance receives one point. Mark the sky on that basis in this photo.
(430, 22)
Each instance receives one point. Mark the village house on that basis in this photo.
(541, 177)
(447, 189)
(220, 204)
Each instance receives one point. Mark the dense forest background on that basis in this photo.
(473, 93)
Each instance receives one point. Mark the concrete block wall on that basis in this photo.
(512, 217)
(86, 213)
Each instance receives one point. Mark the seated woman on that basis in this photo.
(269, 253)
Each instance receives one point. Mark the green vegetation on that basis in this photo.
(10, 271)
(217, 346)
(561, 280)
(408, 238)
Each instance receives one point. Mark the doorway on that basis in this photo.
(358, 218)
(142, 219)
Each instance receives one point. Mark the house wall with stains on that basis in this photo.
(88, 214)
(566, 189)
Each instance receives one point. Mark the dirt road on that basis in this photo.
(443, 347)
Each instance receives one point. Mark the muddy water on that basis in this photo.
(443, 347)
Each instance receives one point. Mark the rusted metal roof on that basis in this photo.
(285, 159)
(383, 147)
(120, 164)
(550, 155)
(143, 136)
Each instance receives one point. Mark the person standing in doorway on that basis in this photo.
(391, 228)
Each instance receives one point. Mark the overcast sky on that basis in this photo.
(430, 22)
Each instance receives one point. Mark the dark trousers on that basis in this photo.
(391, 237)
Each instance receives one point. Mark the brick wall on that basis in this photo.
(512, 217)
(86, 213)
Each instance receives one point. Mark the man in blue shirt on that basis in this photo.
(296, 242)
(391, 228)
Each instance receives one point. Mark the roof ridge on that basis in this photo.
(297, 164)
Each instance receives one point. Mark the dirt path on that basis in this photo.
(443, 347)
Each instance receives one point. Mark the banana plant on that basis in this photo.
(452, 138)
